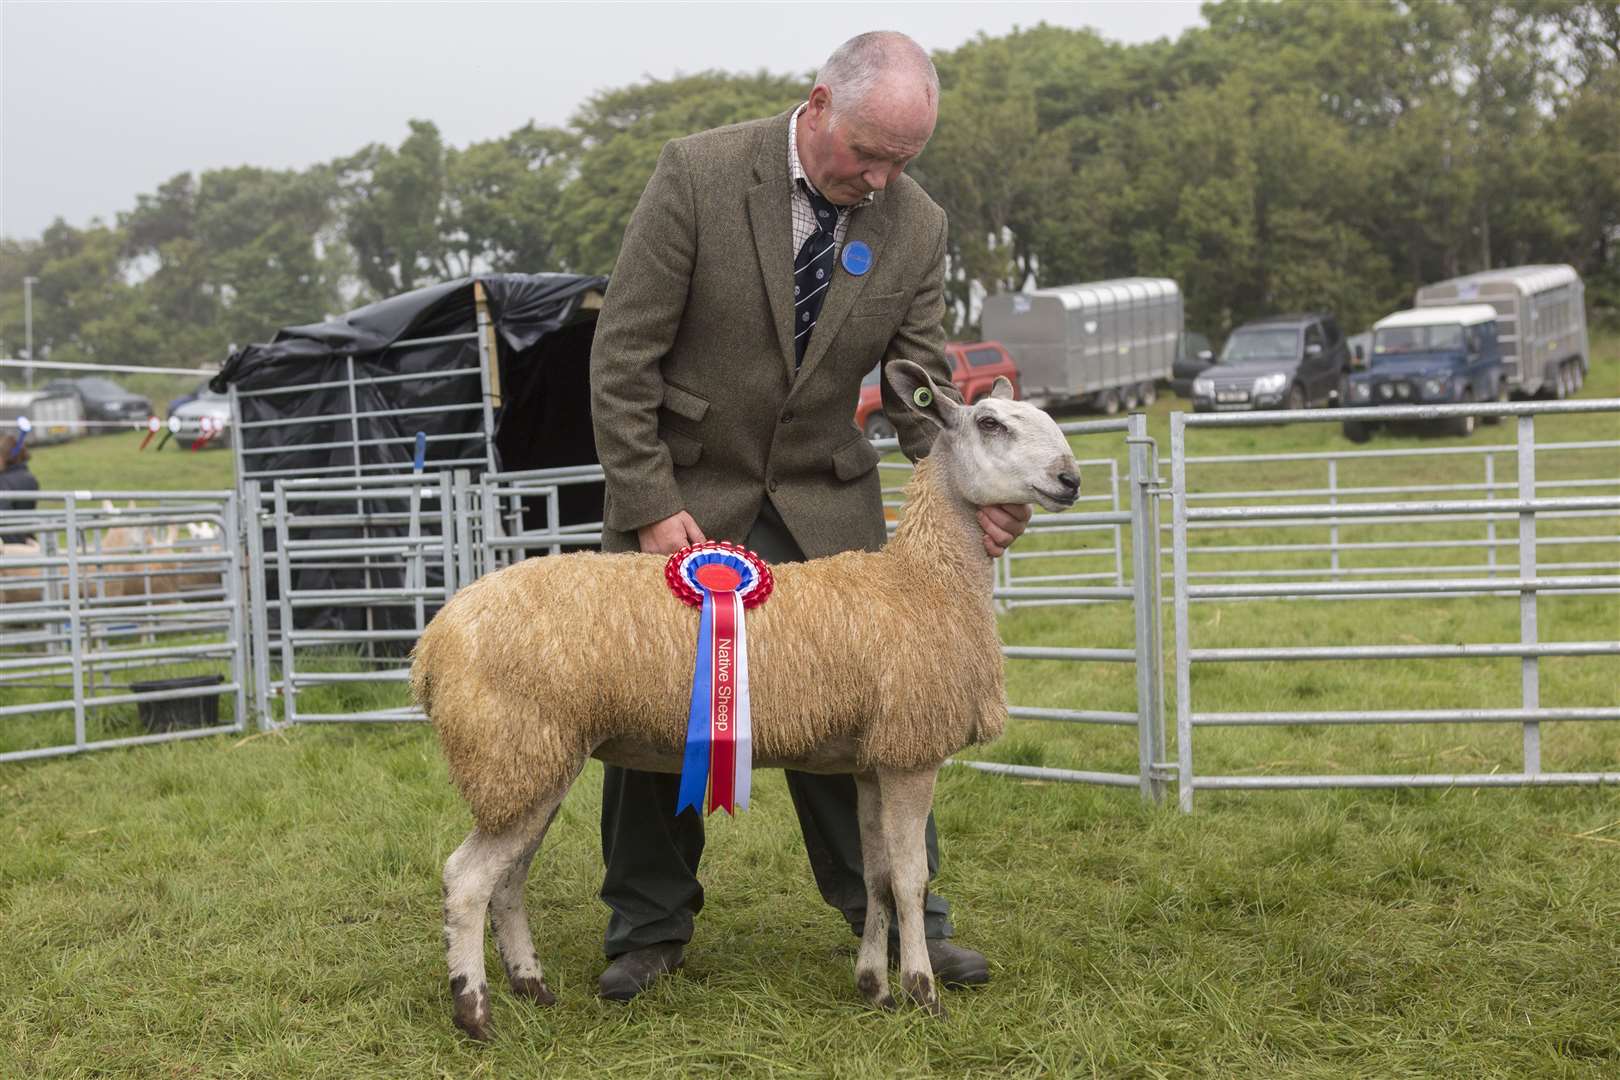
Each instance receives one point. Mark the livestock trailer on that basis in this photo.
(1102, 344)
(56, 416)
(1540, 323)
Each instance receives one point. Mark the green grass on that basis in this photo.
(116, 463)
(269, 905)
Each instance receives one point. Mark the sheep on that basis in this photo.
(529, 671)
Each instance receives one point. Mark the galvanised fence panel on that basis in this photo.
(120, 621)
(353, 571)
(1590, 502)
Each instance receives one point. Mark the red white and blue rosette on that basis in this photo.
(723, 580)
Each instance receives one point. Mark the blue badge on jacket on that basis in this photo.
(857, 258)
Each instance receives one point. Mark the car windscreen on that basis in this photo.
(1280, 344)
(1399, 340)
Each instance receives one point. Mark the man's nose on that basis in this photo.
(876, 179)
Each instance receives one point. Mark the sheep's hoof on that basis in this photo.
(875, 990)
(920, 989)
(534, 988)
(472, 1011)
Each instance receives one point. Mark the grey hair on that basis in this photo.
(859, 64)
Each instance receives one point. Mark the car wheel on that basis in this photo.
(1296, 397)
(878, 427)
(1147, 393)
(1108, 402)
(1356, 431)
(1463, 426)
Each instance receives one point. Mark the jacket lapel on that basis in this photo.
(869, 224)
(771, 219)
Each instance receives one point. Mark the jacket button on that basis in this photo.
(770, 486)
(787, 418)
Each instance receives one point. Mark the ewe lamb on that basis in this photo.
(529, 671)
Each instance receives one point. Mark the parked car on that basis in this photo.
(974, 367)
(1540, 323)
(1104, 344)
(1430, 356)
(1193, 356)
(208, 412)
(104, 399)
(1283, 362)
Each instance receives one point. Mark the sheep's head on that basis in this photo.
(996, 450)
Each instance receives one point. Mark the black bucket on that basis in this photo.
(176, 714)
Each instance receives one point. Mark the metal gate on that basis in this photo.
(1530, 503)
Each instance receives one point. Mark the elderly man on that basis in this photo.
(766, 269)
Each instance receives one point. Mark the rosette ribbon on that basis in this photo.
(723, 580)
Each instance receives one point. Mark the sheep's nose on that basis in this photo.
(1070, 482)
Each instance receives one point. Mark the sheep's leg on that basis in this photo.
(471, 875)
(509, 919)
(907, 797)
(871, 966)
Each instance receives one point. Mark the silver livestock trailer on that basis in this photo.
(1102, 344)
(1540, 323)
(56, 417)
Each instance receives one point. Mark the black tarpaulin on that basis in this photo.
(543, 324)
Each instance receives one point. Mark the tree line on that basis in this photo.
(1285, 156)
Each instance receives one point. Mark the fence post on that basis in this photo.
(258, 604)
(289, 689)
(1178, 554)
(231, 575)
(75, 619)
(1145, 586)
(1530, 671)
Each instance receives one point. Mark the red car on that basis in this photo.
(974, 367)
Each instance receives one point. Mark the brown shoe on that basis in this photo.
(635, 971)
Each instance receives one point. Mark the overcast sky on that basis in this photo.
(103, 101)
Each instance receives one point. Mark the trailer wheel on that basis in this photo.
(1579, 372)
(1356, 431)
(1147, 393)
(1108, 402)
(1560, 383)
(1500, 398)
(1129, 398)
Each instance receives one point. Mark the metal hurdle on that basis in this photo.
(1532, 579)
(81, 615)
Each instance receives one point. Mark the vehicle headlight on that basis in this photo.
(1433, 387)
(1270, 384)
(1203, 387)
(1361, 391)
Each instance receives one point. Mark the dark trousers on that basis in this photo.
(652, 855)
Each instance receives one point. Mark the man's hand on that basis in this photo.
(1002, 524)
(668, 536)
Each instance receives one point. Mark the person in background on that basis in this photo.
(15, 476)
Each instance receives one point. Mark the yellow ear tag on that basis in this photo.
(922, 397)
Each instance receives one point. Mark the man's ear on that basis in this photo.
(919, 393)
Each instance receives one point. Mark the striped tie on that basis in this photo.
(812, 273)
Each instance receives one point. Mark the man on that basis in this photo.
(766, 269)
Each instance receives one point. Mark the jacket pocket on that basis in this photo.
(684, 403)
(855, 458)
(876, 307)
(683, 449)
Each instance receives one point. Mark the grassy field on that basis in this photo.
(269, 905)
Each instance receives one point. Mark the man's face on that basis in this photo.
(867, 147)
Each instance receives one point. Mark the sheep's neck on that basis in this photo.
(939, 531)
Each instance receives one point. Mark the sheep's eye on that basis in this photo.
(990, 425)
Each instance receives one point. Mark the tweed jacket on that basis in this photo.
(694, 398)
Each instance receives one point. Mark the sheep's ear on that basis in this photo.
(920, 393)
(1001, 388)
